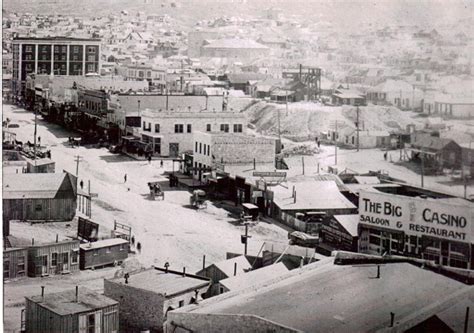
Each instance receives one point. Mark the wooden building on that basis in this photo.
(146, 296)
(40, 165)
(40, 196)
(53, 258)
(79, 311)
(103, 252)
(14, 263)
(340, 232)
(223, 270)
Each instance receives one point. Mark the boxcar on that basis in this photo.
(103, 252)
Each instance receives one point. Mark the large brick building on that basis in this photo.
(171, 133)
(57, 55)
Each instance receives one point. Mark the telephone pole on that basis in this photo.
(357, 127)
(34, 136)
(422, 169)
(77, 160)
(244, 238)
(335, 146)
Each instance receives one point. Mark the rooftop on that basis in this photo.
(227, 266)
(159, 281)
(234, 43)
(347, 298)
(35, 185)
(103, 243)
(64, 303)
(349, 222)
(257, 276)
(311, 195)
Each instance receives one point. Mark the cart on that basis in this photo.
(155, 191)
(249, 213)
(198, 199)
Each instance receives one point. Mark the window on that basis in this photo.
(157, 128)
(91, 68)
(188, 128)
(144, 126)
(200, 147)
(204, 152)
(64, 49)
(74, 256)
(75, 57)
(28, 57)
(28, 48)
(208, 150)
(196, 147)
(225, 128)
(91, 58)
(21, 264)
(179, 128)
(91, 49)
(56, 49)
(181, 304)
(237, 128)
(122, 247)
(39, 208)
(6, 269)
(75, 49)
(54, 259)
(108, 250)
(91, 323)
(208, 127)
(96, 252)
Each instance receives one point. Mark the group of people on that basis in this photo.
(139, 246)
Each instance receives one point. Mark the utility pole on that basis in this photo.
(335, 145)
(278, 117)
(422, 169)
(357, 125)
(139, 108)
(286, 95)
(244, 238)
(34, 139)
(77, 160)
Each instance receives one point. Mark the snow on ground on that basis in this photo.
(168, 230)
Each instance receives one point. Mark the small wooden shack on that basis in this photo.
(53, 258)
(103, 252)
(15, 262)
(40, 196)
(82, 310)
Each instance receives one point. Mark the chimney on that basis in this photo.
(42, 293)
(392, 319)
(77, 294)
(294, 197)
(302, 262)
(235, 268)
(203, 261)
(184, 271)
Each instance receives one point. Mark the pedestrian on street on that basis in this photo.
(161, 163)
(139, 247)
(319, 143)
(149, 158)
(125, 178)
(39, 140)
(133, 240)
(81, 184)
(385, 156)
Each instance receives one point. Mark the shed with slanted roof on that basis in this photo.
(40, 196)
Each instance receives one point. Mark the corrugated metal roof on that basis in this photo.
(254, 277)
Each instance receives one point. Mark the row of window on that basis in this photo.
(202, 148)
(74, 57)
(58, 49)
(179, 128)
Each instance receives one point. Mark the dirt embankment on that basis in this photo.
(302, 121)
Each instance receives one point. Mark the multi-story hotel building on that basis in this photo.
(53, 55)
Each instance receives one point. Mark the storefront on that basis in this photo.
(431, 229)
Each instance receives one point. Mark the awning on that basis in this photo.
(422, 151)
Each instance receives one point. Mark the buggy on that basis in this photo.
(155, 191)
(198, 199)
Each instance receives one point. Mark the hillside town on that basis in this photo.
(237, 166)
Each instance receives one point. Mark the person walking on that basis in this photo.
(161, 163)
(81, 184)
(139, 247)
(133, 240)
(385, 156)
(149, 158)
(125, 178)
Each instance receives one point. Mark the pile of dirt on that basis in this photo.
(306, 120)
(299, 150)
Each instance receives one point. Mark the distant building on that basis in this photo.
(216, 150)
(40, 197)
(171, 133)
(156, 76)
(398, 93)
(343, 96)
(146, 297)
(437, 153)
(449, 106)
(81, 311)
(53, 55)
(234, 48)
(196, 40)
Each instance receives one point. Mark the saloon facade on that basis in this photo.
(440, 230)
